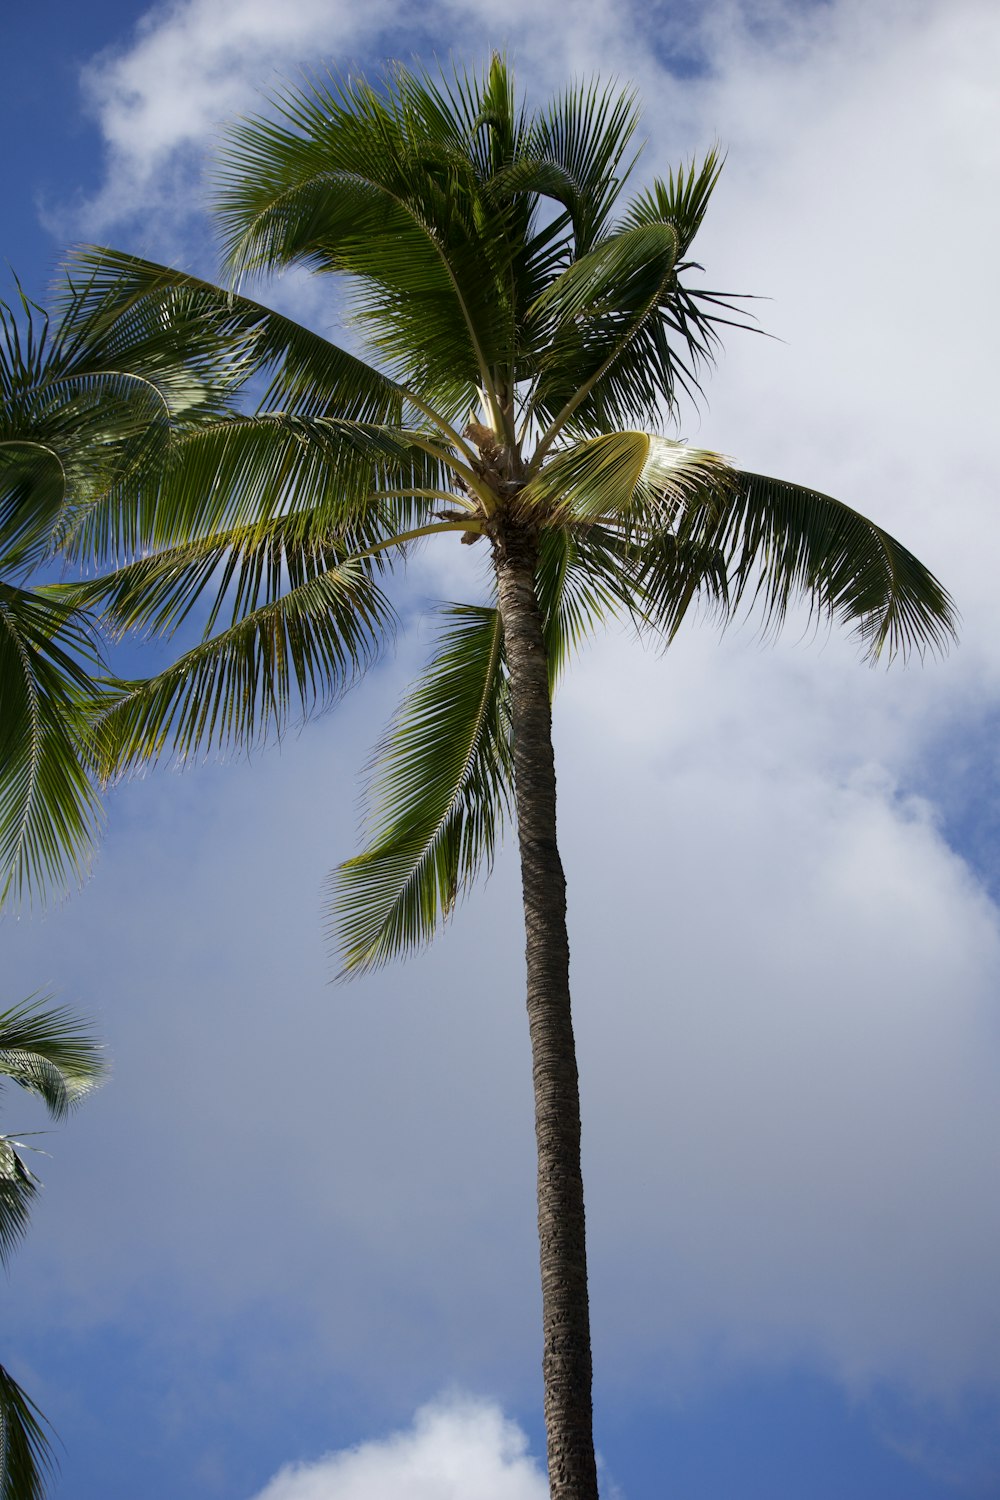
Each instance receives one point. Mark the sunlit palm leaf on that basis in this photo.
(622, 475)
(288, 656)
(308, 374)
(440, 788)
(46, 1050)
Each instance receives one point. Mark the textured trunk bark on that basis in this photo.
(566, 1356)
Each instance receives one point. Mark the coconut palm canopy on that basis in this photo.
(45, 1050)
(529, 319)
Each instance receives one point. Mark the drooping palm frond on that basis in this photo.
(49, 1053)
(18, 1190)
(27, 1463)
(440, 788)
(305, 374)
(585, 578)
(86, 407)
(295, 652)
(783, 541)
(49, 807)
(47, 1050)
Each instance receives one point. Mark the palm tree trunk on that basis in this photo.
(566, 1357)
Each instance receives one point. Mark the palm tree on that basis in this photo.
(73, 421)
(46, 1051)
(527, 330)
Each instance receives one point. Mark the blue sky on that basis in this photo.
(288, 1252)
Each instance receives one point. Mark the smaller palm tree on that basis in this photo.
(76, 418)
(48, 1052)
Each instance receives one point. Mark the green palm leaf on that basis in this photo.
(26, 1460)
(46, 1050)
(49, 809)
(291, 653)
(441, 785)
(784, 541)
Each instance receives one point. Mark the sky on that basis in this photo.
(288, 1252)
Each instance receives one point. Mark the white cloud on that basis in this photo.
(191, 68)
(457, 1449)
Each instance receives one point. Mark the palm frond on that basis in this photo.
(298, 652)
(356, 179)
(783, 540)
(48, 1051)
(441, 785)
(576, 153)
(307, 375)
(681, 201)
(18, 1190)
(49, 809)
(584, 578)
(26, 1460)
(621, 475)
(245, 470)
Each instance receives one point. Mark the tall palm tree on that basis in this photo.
(47, 1051)
(527, 331)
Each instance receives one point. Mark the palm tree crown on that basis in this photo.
(48, 1053)
(527, 329)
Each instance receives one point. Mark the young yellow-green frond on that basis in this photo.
(625, 476)
(441, 785)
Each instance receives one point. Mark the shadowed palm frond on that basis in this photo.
(441, 785)
(784, 541)
(26, 1461)
(49, 808)
(306, 374)
(49, 1053)
(248, 470)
